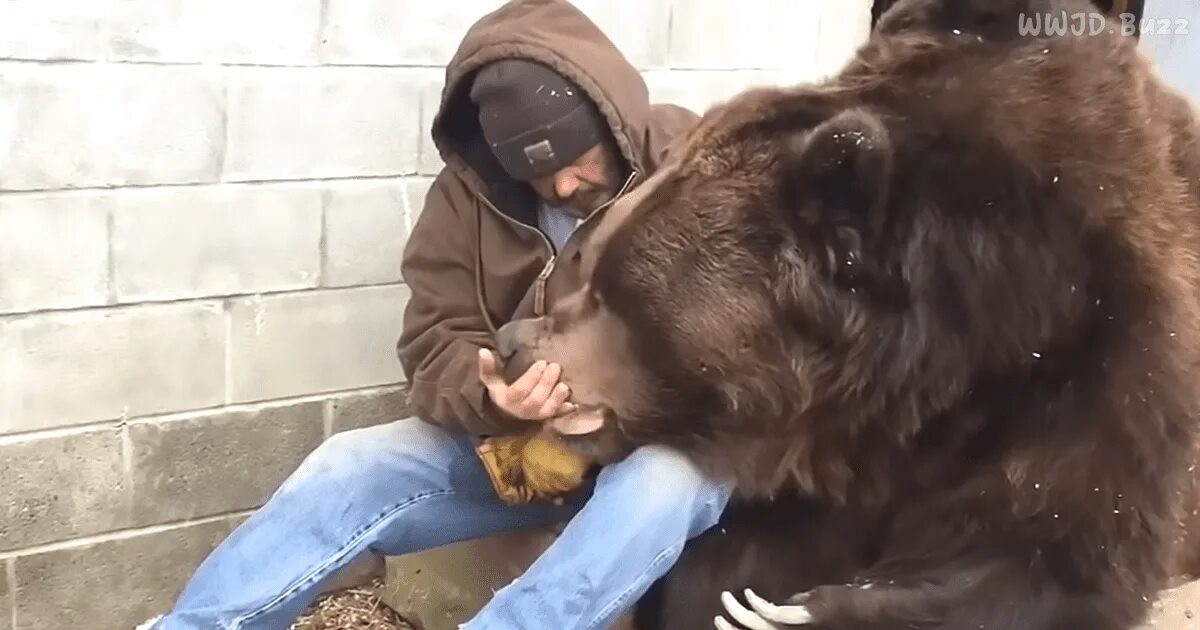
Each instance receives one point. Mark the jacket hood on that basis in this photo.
(557, 34)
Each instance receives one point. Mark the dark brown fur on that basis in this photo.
(936, 317)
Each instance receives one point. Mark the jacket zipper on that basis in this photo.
(539, 295)
(539, 300)
(510, 220)
(539, 289)
(540, 283)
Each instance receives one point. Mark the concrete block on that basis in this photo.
(431, 96)
(369, 409)
(197, 466)
(844, 26)
(398, 32)
(175, 243)
(1171, 45)
(115, 584)
(73, 367)
(61, 487)
(365, 232)
(415, 192)
(53, 251)
(443, 587)
(86, 125)
(300, 344)
(1177, 608)
(751, 34)
(638, 28)
(698, 90)
(282, 32)
(42, 29)
(300, 123)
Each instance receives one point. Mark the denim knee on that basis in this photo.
(663, 483)
(372, 453)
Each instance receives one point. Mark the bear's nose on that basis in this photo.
(515, 335)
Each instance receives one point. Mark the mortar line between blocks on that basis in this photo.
(9, 439)
(126, 464)
(323, 239)
(670, 30)
(406, 206)
(322, 25)
(285, 401)
(183, 414)
(225, 103)
(228, 346)
(221, 64)
(421, 126)
(327, 413)
(11, 569)
(199, 299)
(110, 226)
(817, 57)
(124, 534)
(103, 35)
(279, 181)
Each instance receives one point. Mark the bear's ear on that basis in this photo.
(995, 19)
(841, 170)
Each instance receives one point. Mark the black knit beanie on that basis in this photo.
(535, 120)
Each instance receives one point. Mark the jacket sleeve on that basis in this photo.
(443, 326)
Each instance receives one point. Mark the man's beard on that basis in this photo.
(583, 203)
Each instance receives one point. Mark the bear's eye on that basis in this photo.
(703, 368)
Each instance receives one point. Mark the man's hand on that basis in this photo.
(536, 395)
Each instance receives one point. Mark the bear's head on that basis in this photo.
(820, 272)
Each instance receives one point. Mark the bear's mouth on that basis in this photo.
(583, 420)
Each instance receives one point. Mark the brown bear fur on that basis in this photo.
(937, 319)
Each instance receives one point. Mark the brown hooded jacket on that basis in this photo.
(475, 258)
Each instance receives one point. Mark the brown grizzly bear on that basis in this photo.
(937, 319)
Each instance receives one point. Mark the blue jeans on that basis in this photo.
(408, 486)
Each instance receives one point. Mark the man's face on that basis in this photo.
(586, 183)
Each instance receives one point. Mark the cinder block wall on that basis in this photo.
(203, 205)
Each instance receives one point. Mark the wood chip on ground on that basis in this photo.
(355, 608)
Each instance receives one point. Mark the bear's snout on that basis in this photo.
(516, 335)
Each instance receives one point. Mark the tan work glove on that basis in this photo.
(529, 468)
(535, 467)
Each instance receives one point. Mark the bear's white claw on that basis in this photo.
(791, 615)
(740, 614)
(721, 624)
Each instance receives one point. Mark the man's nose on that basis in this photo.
(515, 335)
(565, 185)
